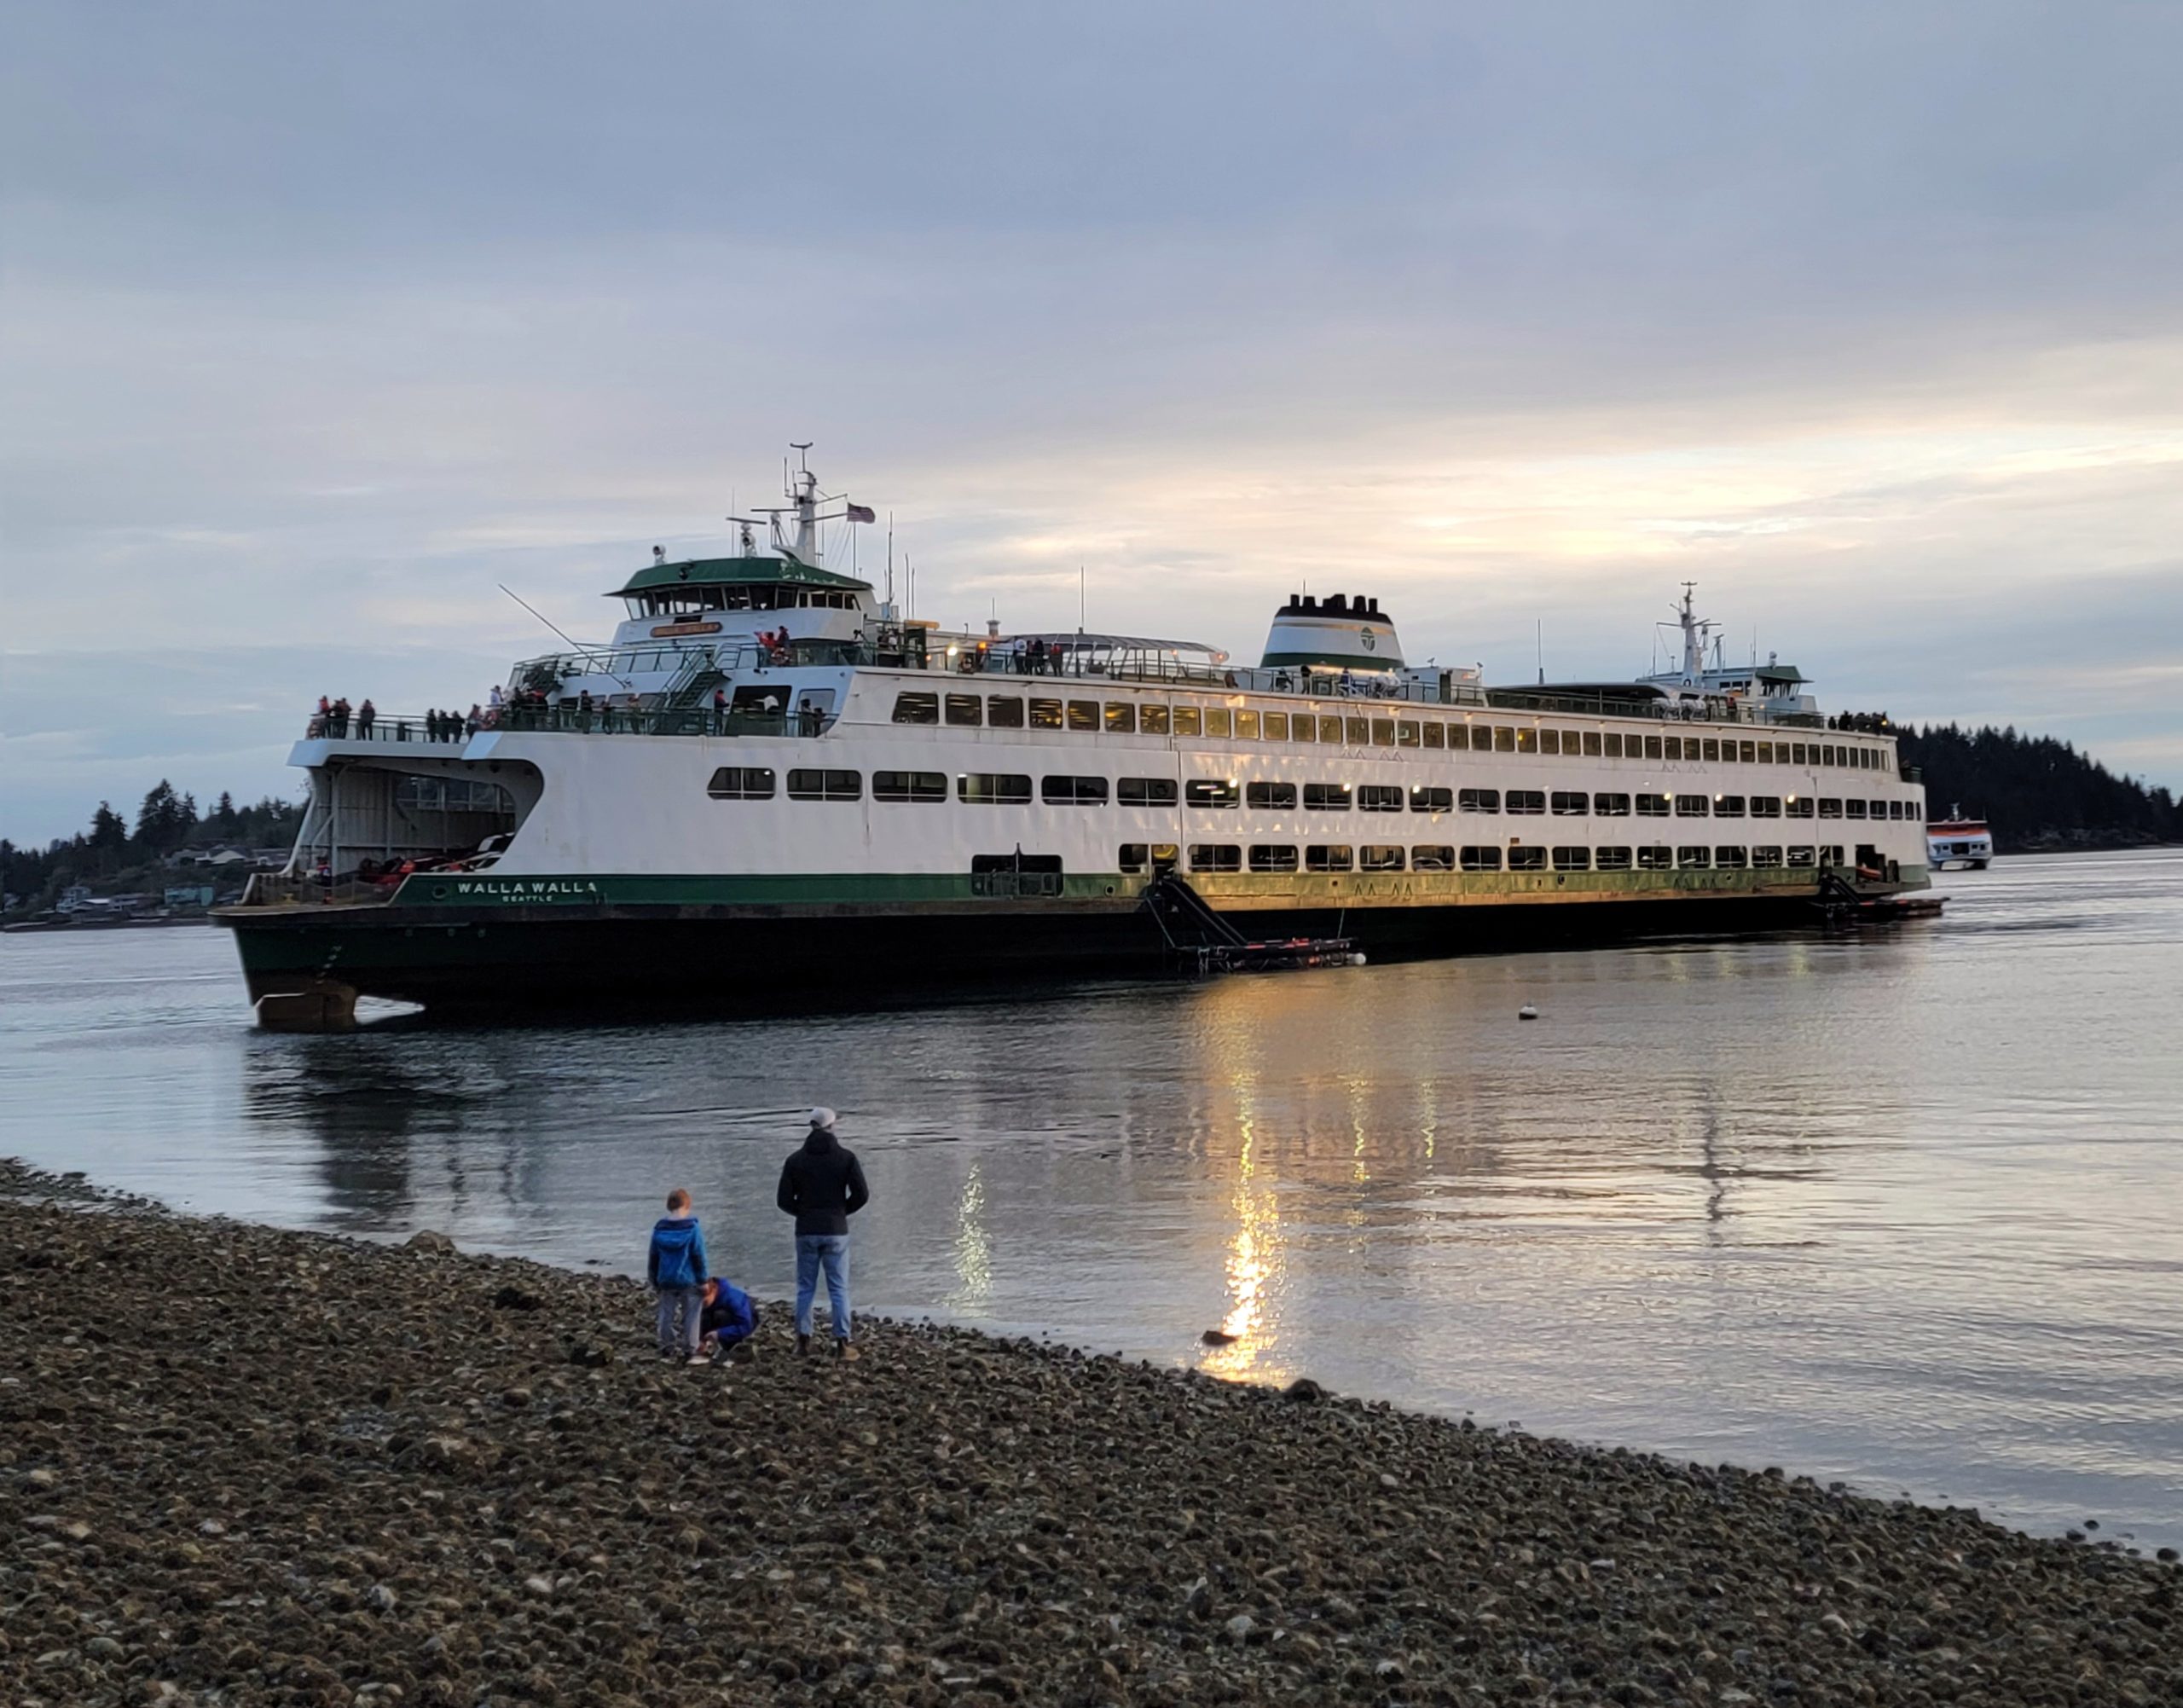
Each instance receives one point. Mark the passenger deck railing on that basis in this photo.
(280, 890)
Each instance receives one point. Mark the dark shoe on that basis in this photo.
(742, 1353)
(802, 1343)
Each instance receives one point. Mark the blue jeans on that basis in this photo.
(831, 1251)
(688, 1304)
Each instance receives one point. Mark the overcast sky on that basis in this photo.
(318, 323)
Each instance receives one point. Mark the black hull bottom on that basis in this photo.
(307, 964)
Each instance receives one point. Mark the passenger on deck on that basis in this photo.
(476, 721)
(367, 715)
(809, 720)
(583, 709)
(720, 709)
(493, 698)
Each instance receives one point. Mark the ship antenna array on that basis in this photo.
(587, 652)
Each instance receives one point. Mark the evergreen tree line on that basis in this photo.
(2037, 792)
(110, 851)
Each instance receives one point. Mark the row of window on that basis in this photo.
(1281, 857)
(1004, 789)
(1247, 723)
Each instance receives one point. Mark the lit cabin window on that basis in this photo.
(1276, 725)
(1330, 732)
(1357, 732)
(1674, 746)
(741, 783)
(1406, 733)
(1436, 733)
(1592, 746)
(1247, 725)
(1549, 741)
(1798, 807)
(1218, 722)
(1211, 793)
(1152, 720)
(1122, 717)
(1613, 739)
(1046, 715)
(1713, 750)
(1379, 857)
(1189, 720)
(1505, 739)
(1084, 717)
(993, 789)
(1527, 741)
(1304, 726)
(917, 708)
(1652, 746)
(1144, 791)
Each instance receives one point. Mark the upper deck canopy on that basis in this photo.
(713, 572)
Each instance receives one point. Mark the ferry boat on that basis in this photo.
(771, 778)
(1958, 841)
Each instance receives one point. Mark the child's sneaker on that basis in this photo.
(847, 1352)
(697, 1358)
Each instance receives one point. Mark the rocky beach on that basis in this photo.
(240, 1465)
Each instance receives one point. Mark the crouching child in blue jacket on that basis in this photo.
(730, 1319)
(676, 1266)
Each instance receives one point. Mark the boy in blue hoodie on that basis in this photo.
(676, 1268)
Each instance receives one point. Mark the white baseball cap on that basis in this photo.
(822, 1117)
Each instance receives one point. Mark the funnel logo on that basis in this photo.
(1365, 635)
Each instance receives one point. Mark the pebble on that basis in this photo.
(400, 1485)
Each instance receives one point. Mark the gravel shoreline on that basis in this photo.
(239, 1465)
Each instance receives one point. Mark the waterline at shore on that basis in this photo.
(264, 1466)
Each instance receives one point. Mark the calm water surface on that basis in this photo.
(1904, 1208)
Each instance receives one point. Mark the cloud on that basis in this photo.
(318, 330)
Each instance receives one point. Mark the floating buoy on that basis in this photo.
(1357, 960)
(1219, 1337)
(1527, 1012)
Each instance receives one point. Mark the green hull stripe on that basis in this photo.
(1241, 889)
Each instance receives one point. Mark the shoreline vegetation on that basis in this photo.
(245, 1466)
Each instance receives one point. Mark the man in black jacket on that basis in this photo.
(822, 1186)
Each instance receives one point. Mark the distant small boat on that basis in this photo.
(1958, 840)
(1527, 1012)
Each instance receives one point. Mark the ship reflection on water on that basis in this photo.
(1788, 1200)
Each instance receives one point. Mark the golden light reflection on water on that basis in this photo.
(972, 1247)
